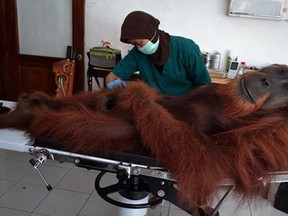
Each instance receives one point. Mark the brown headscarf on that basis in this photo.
(141, 25)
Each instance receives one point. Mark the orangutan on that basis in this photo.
(237, 130)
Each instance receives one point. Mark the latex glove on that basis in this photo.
(116, 84)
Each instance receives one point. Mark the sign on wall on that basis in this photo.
(265, 9)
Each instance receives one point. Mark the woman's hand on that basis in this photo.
(118, 83)
(112, 81)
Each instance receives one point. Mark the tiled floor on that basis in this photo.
(22, 192)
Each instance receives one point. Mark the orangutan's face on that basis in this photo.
(271, 81)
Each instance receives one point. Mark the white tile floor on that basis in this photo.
(22, 192)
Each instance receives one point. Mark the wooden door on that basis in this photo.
(22, 72)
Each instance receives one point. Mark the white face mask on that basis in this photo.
(150, 48)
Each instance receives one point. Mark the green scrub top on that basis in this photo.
(183, 71)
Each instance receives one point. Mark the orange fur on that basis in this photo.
(208, 135)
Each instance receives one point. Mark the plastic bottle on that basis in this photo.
(229, 59)
(216, 61)
(241, 69)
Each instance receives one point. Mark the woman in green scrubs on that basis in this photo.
(172, 65)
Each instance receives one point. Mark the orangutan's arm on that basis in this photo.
(171, 141)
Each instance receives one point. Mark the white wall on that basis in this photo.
(258, 42)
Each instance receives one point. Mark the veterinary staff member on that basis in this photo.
(172, 65)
